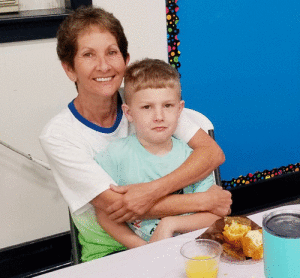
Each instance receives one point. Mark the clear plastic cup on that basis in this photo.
(202, 258)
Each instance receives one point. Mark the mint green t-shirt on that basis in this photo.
(128, 162)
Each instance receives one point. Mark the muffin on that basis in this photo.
(234, 233)
(252, 244)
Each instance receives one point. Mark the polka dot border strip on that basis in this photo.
(172, 32)
(258, 176)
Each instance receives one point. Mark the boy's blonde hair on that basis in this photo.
(150, 73)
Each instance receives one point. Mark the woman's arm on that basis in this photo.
(215, 200)
(168, 226)
(120, 232)
(139, 198)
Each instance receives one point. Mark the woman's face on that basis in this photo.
(99, 66)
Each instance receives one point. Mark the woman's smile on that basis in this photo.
(103, 79)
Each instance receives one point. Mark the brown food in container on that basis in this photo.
(232, 248)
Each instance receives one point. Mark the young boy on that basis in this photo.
(153, 106)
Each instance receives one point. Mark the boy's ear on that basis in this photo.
(127, 112)
(69, 71)
(181, 106)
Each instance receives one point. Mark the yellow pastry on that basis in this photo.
(234, 233)
(252, 244)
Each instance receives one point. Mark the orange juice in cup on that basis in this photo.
(202, 257)
(202, 266)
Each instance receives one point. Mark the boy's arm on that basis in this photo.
(139, 198)
(120, 232)
(182, 224)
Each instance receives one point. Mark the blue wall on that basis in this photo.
(240, 66)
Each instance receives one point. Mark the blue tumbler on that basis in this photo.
(281, 243)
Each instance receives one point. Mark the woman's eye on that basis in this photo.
(112, 52)
(88, 54)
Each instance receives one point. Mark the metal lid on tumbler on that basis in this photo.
(283, 223)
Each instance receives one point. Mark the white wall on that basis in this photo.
(38, 4)
(144, 24)
(33, 89)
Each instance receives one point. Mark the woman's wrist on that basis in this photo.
(157, 189)
(203, 201)
(199, 202)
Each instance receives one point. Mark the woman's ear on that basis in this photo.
(127, 112)
(69, 71)
(127, 59)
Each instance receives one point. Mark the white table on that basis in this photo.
(160, 259)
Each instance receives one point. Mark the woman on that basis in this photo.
(92, 48)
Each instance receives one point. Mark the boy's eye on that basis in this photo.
(168, 105)
(146, 107)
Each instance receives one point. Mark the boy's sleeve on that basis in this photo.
(200, 186)
(105, 160)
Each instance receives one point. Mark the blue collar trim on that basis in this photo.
(91, 125)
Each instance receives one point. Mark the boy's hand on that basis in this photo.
(137, 200)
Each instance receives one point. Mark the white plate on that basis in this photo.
(230, 260)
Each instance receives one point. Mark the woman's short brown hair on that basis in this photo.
(150, 73)
(80, 20)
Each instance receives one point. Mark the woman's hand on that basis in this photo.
(137, 199)
(219, 200)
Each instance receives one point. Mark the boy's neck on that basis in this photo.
(158, 149)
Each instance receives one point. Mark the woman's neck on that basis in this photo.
(100, 111)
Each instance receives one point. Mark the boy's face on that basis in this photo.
(155, 114)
